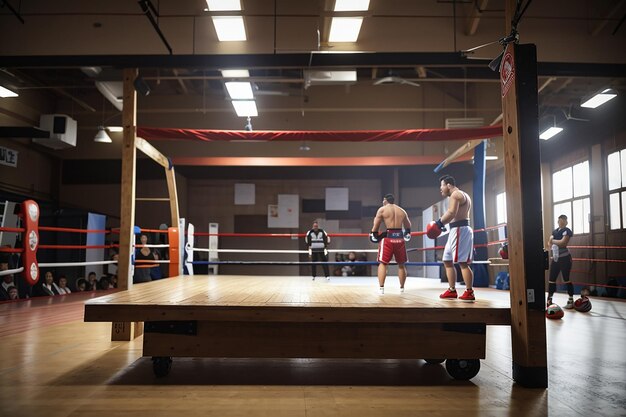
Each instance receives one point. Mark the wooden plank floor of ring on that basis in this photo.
(295, 317)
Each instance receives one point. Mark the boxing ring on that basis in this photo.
(294, 317)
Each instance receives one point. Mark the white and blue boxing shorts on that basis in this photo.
(460, 244)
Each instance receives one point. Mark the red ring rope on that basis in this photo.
(68, 229)
(75, 246)
(12, 229)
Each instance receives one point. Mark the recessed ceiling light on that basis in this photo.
(345, 29)
(229, 28)
(245, 108)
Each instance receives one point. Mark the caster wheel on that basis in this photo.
(434, 361)
(463, 369)
(161, 365)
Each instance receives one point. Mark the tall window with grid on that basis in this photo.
(571, 196)
(616, 176)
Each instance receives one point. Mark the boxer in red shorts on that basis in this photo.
(391, 243)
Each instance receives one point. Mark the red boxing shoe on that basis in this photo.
(468, 296)
(449, 295)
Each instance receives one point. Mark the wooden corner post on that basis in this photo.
(124, 331)
(518, 74)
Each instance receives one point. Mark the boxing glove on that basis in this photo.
(374, 237)
(310, 252)
(433, 230)
(325, 252)
(407, 235)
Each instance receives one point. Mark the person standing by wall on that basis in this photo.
(561, 260)
(317, 241)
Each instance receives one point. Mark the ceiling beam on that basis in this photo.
(474, 15)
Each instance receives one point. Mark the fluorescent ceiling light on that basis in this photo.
(599, 99)
(239, 90)
(223, 5)
(245, 108)
(236, 73)
(5, 92)
(551, 131)
(491, 157)
(229, 28)
(115, 129)
(351, 5)
(345, 29)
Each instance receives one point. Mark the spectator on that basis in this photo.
(92, 282)
(13, 294)
(142, 254)
(104, 284)
(349, 270)
(47, 287)
(81, 285)
(62, 286)
(7, 282)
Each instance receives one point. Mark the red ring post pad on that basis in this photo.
(30, 219)
(173, 240)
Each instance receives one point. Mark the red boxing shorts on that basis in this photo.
(392, 246)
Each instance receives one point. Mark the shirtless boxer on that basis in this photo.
(391, 242)
(460, 245)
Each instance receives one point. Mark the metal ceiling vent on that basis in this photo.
(464, 122)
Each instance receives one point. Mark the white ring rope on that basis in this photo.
(11, 271)
(150, 261)
(280, 250)
(50, 265)
(153, 246)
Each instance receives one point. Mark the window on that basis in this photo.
(616, 165)
(570, 196)
(501, 208)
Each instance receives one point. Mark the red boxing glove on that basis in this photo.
(433, 230)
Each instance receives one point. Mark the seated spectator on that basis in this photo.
(113, 279)
(8, 281)
(13, 295)
(92, 282)
(348, 270)
(62, 285)
(46, 287)
(81, 285)
(339, 257)
(104, 284)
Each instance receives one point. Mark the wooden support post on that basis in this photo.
(518, 73)
(123, 331)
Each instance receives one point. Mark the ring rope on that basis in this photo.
(72, 230)
(318, 263)
(165, 245)
(278, 250)
(599, 260)
(11, 250)
(12, 229)
(11, 271)
(150, 261)
(75, 246)
(50, 265)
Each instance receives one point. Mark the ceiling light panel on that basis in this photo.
(5, 92)
(599, 99)
(239, 90)
(550, 132)
(223, 5)
(351, 5)
(229, 28)
(245, 108)
(236, 73)
(345, 29)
